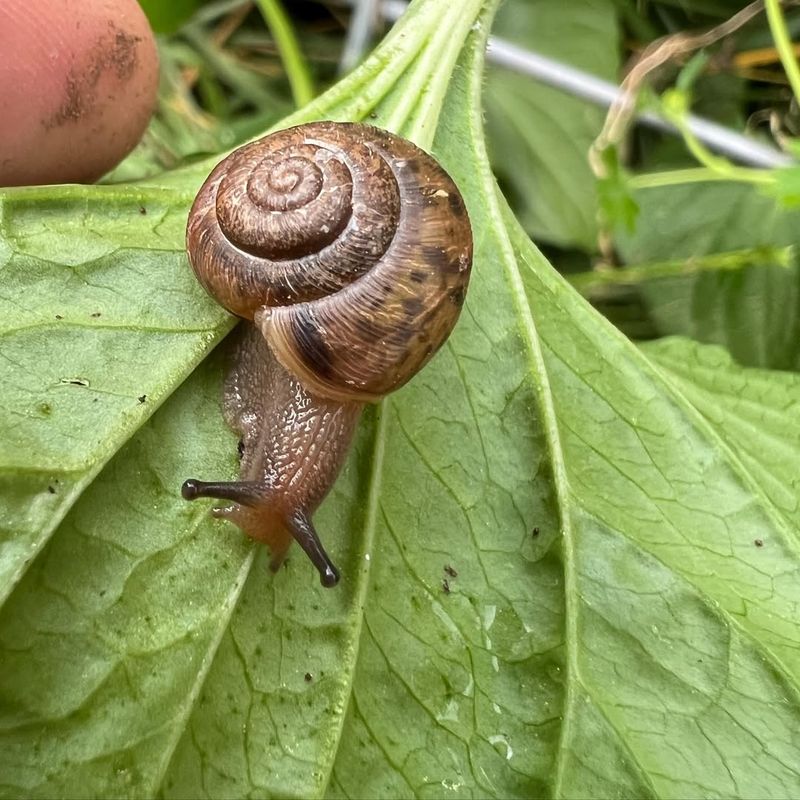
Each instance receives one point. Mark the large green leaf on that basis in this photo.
(680, 636)
(613, 628)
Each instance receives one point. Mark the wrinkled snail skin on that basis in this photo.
(350, 249)
(293, 447)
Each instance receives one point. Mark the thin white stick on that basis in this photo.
(365, 15)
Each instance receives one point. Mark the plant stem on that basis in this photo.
(294, 63)
(639, 273)
(783, 44)
(725, 169)
(672, 104)
(675, 177)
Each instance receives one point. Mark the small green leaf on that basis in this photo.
(617, 203)
(786, 187)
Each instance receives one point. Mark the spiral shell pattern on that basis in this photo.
(350, 247)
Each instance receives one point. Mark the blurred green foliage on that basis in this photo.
(166, 18)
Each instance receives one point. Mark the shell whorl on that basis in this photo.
(349, 246)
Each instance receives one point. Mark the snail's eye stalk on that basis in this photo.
(245, 493)
(305, 535)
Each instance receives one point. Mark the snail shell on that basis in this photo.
(350, 250)
(355, 243)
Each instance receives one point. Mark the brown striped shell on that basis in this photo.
(349, 247)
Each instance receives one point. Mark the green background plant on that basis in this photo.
(623, 520)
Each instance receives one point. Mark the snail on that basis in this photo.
(349, 251)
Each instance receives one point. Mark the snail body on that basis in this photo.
(349, 249)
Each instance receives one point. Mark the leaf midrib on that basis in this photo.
(183, 718)
(364, 572)
(105, 194)
(76, 325)
(541, 385)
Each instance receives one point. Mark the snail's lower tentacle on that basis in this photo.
(245, 493)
